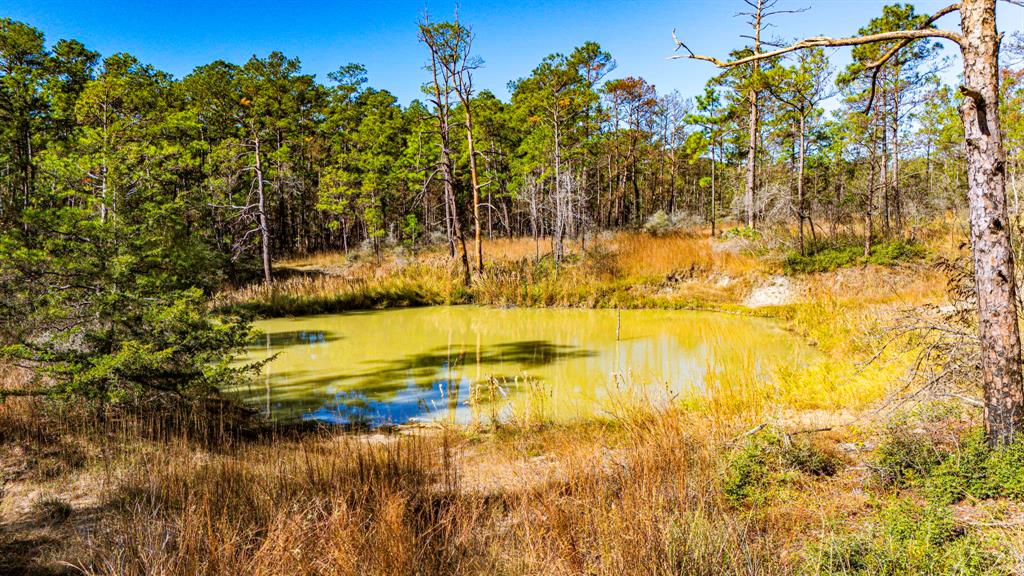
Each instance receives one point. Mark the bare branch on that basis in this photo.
(793, 11)
(877, 64)
(905, 36)
(965, 399)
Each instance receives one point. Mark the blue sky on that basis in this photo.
(512, 36)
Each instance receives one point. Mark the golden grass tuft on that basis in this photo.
(622, 269)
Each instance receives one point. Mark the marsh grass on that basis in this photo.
(681, 270)
(642, 498)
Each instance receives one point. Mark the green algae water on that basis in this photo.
(468, 363)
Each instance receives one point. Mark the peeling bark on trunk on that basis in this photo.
(990, 231)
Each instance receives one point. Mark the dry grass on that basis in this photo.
(316, 260)
(641, 255)
(642, 494)
(638, 494)
(640, 497)
(621, 269)
(383, 287)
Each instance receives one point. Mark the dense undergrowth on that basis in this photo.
(926, 463)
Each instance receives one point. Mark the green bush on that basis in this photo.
(765, 459)
(905, 454)
(742, 232)
(905, 537)
(750, 468)
(974, 469)
(825, 258)
(910, 536)
(659, 224)
(947, 468)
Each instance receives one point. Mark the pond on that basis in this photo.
(470, 363)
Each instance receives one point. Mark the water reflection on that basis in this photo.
(398, 366)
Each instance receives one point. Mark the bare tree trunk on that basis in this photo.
(868, 201)
(753, 120)
(261, 199)
(990, 231)
(448, 224)
(897, 201)
(447, 173)
(559, 216)
(476, 186)
(714, 199)
(800, 181)
(534, 217)
(344, 235)
(884, 179)
(448, 78)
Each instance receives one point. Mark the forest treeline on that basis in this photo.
(127, 196)
(234, 153)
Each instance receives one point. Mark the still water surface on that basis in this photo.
(466, 363)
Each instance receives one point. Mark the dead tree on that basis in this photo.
(991, 251)
(441, 99)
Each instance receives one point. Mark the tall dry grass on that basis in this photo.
(641, 499)
(621, 269)
(643, 255)
(637, 494)
(325, 293)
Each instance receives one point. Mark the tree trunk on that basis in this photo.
(264, 228)
(748, 193)
(990, 231)
(441, 101)
(714, 199)
(557, 231)
(800, 182)
(479, 249)
(868, 206)
(884, 179)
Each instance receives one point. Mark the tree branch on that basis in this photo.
(877, 64)
(906, 36)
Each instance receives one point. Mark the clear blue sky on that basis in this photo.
(512, 36)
